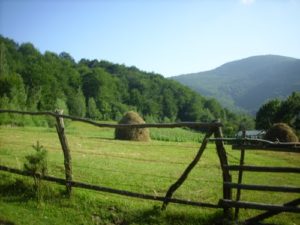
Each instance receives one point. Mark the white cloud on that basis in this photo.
(247, 2)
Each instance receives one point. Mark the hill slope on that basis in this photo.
(247, 83)
(100, 90)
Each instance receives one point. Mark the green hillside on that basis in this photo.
(248, 83)
(100, 90)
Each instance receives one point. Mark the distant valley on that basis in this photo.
(247, 83)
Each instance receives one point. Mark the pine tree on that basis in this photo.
(92, 111)
(3, 61)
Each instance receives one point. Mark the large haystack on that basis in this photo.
(132, 134)
(281, 132)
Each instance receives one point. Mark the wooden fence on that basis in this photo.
(244, 145)
(208, 128)
(211, 129)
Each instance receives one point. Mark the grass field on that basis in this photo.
(148, 168)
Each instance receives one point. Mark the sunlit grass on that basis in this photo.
(144, 167)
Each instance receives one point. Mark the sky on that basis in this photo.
(169, 37)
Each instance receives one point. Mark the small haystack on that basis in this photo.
(132, 134)
(281, 132)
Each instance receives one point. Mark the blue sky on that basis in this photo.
(169, 37)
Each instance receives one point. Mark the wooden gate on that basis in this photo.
(244, 145)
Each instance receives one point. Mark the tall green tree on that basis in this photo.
(92, 110)
(76, 104)
(3, 60)
(170, 108)
(35, 81)
(289, 110)
(266, 115)
(275, 111)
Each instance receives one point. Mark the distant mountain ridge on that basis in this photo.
(247, 83)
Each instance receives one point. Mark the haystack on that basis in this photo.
(132, 134)
(281, 132)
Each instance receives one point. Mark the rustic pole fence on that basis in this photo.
(200, 126)
(209, 128)
(186, 172)
(227, 192)
(225, 202)
(60, 128)
(244, 144)
(240, 178)
(93, 187)
(268, 214)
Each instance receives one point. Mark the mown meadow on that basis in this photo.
(144, 167)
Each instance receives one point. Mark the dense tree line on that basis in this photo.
(275, 111)
(98, 90)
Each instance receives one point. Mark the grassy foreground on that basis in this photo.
(148, 168)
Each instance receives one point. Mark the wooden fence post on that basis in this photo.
(240, 177)
(227, 193)
(186, 172)
(64, 145)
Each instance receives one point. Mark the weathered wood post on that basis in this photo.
(240, 177)
(64, 145)
(186, 172)
(227, 192)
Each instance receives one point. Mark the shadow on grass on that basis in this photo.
(5, 222)
(15, 189)
(113, 215)
(156, 216)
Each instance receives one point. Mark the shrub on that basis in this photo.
(36, 164)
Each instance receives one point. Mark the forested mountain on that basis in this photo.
(248, 83)
(30, 80)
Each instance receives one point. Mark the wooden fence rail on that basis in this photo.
(198, 125)
(209, 128)
(186, 172)
(245, 144)
(263, 187)
(227, 203)
(107, 189)
(272, 169)
(268, 214)
(261, 206)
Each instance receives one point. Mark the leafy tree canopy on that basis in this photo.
(99, 90)
(276, 111)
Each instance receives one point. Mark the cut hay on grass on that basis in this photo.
(132, 134)
(281, 132)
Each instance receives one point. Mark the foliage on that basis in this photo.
(266, 115)
(76, 104)
(36, 164)
(276, 111)
(92, 110)
(96, 89)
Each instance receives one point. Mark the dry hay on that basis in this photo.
(281, 132)
(132, 134)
